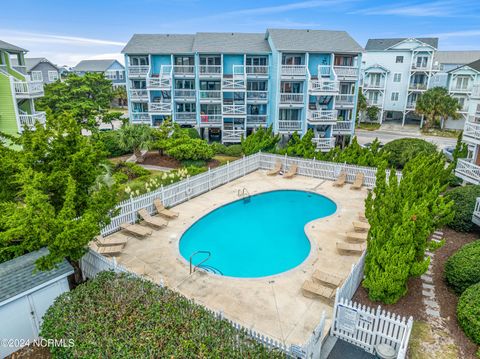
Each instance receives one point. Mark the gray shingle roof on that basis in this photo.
(475, 65)
(94, 65)
(9, 47)
(383, 44)
(313, 41)
(17, 275)
(31, 62)
(230, 42)
(457, 57)
(159, 44)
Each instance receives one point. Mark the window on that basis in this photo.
(210, 60)
(462, 83)
(290, 59)
(289, 114)
(52, 76)
(111, 75)
(121, 75)
(210, 85)
(184, 84)
(291, 87)
(375, 79)
(184, 60)
(37, 76)
(397, 77)
(256, 86)
(399, 59)
(394, 96)
(138, 60)
(185, 107)
(421, 61)
(256, 61)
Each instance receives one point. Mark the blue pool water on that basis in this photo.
(257, 237)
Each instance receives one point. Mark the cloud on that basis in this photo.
(455, 34)
(285, 7)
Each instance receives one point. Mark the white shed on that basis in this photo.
(25, 296)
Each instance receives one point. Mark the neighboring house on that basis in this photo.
(395, 73)
(25, 296)
(40, 69)
(228, 84)
(17, 91)
(64, 71)
(112, 69)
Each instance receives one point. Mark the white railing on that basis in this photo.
(256, 70)
(210, 95)
(411, 105)
(257, 95)
(207, 120)
(184, 70)
(323, 86)
(159, 83)
(422, 67)
(160, 107)
(234, 109)
(322, 116)
(345, 100)
(462, 88)
(417, 86)
(210, 70)
(28, 89)
(294, 70)
(476, 213)
(374, 102)
(257, 120)
(475, 91)
(342, 127)
(232, 135)
(325, 70)
(186, 117)
(287, 125)
(290, 98)
(29, 120)
(138, 70)
(468, 171)
(141, 117)
(373, 85)
(346, 71)
(138, 94)
(474, 118)
(184, 93)
(233, 84)
(471, 130)
(324, 144)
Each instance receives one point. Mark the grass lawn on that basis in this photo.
(428, 342)
(223, 159)
(441, 133)
(369, 126)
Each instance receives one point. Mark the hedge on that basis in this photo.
(465, 199)
(462, 269)
(121, 316)
(468, 312)
(404, 149)
(111, 143)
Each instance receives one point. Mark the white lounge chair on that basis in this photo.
(107, 251)
(162, 211)
(291, 172)
(155, 222)
(358, 183)
(276, 170)
(312, 289)
(136, 229)
(342, 178)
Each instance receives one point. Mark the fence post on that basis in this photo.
(163, 195)
(209, 179)
(132, 209)
(228, 171)
(244, 166)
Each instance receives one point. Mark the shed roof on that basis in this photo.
(384, 44)
(10, 47)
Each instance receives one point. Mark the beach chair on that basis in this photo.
(101, 241)
(291, 172)
(358, 183)
(136, 229)
(327, 278)
(155, 222)
(107, 251)
(351, 247)
(361, 217)
(312, 289)
(357, 236)
(276, 170)
(340, 182)
(162, 211)
(359, 226)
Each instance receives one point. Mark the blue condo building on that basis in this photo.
(228, 84)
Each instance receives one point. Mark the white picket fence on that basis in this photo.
(355, 277)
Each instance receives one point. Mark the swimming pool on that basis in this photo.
(258, 236)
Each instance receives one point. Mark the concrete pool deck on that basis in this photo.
(273, 305)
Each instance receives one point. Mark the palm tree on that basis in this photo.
(135, 138)
(436, 104)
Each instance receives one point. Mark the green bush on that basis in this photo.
(404, 149)
(233, 150)
(218, 148)
(121, 316)
(468, 312)
(464, 198)
(462, 269)
(185, 148)
(191, 132)
(130, 169)
(111, 143)
(260, 140)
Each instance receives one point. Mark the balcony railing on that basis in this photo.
(411, 105)
(138, 95)
(256, 70)
(456, 88)
(232, 135)
(29, 120)
(346, 71)
(160, 107)
(345, 100)
(210, 70)
(374, 102)
(185, 93)
(207, 120)
(373, 85)
(256, 120)
(184, 70)
(342, 127)
(322, 116)
(474, 118)
(294, 70)
(291, 98)
(285, 125)
(257, 95)
(421, 67)
(210, 95)
(140, 117)
(471, 131)
(189, 118)
(475, 91)
(28, 89)
(234, 109)
(468, 171)
(417, 86)
(162, 80)
(234, 84)
(325, 70)
(476, 213)
(138, 70)
(323, 86)
(324, 144)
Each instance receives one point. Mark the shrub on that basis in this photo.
(130, 169)
(191, 132)
(186, 148)
(300, 146)
(462, 269)
(218, 148)
(111, 143)
(468, 312)
(128, 317)
(404, 149)
(260, 140)
(464, 198)
(233, 150)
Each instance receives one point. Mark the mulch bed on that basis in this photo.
(31, 352)
(154, 158)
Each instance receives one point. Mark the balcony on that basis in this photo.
(234, 84)
(138, 95)
(324, 144)
(416, 86)
(346, 72)
(184, 94)
(234, 109)
(210, 96)
(291, 98)
(420, 67)
(162, 80)
(345, 100)
(161, 108)
(342, 128)
(28, 89)
(256, 71)
(411, 105)
(29, 120)
(463, 89)
(184, 70)
(476, 213)
(289, 126)
(186, 118)
(257, 120)
(210, 120)
(471, 132)
(232, 135)
(468, 171)
(293, 70)
(138, 71)
(374, 102)
(257, 96)
(322, 117)
(374, 85)
(475, 92)
(323, 87)
(210, 70)
(324, 70)
(140, 118)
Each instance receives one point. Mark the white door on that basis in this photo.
(42, 299)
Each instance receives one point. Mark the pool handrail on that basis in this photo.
(199, 264)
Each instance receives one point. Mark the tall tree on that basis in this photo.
(135, 137)
(435, 104)
(362, 104)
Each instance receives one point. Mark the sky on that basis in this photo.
(66, 32)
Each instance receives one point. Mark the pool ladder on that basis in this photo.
(243, 193)
(194, 267)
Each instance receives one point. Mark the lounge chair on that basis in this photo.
(136, 229)
(351, 247)
(359, 226)
(162, 211)
(155, 222)
(312, 289)
(108, 250)
(276, 170)
(101, 241)
(358, 183)
(291, 172)
(357, 236)
(342, 177)
(361, 217)
(327, 278)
